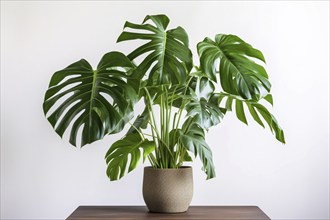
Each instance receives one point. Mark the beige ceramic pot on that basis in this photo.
(167, 190)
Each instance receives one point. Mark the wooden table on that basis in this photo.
(194, 212)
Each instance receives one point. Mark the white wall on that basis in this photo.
(43, 177)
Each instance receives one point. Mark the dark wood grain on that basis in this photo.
(194, 212)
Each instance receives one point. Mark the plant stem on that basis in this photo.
(138, 130)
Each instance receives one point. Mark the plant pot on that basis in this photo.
(167, 190)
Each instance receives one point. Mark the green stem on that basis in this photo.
(151, 113)
(152, 160)
(138, 130)
(154, 130)
(183, 103)
(179, 118)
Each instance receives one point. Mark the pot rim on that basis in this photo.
(180, 168)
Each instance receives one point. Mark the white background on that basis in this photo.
(43, 177)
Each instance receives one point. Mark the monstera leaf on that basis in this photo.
(141, 122)
(99, 100)
(168, 59)
(192, 138)
(256, 110)
(117, 156)
(239, 73)
(205, 87)
(200, 109)
(204, 113)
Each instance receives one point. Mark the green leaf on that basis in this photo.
(174, 137)
(117, 156)
(174, 140)
(204, 113)
(192, 138)
(229, 103)
(167, 57)
(216, 99)
(255, 110)
(240, 112)
(255, 115)
(271, 121)
(239, 74)
(85, 92)
(206, 88)
(141, 121)
(187, 157)
(199, 105)
(269, 98)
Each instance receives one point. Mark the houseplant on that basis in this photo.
(181, 100)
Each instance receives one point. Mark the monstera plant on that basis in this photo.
(181, 100)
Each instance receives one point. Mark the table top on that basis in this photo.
(194, 212)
